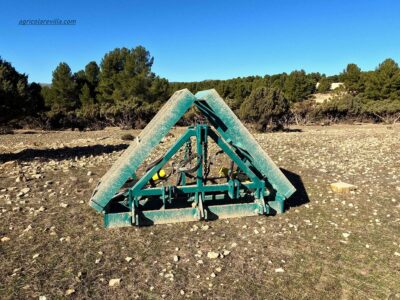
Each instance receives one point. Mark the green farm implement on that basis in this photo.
(251, 184)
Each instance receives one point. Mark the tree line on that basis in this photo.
(123, 91)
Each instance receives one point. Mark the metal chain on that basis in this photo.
(205, 160)
(189, 148)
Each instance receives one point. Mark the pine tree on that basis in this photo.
(92, 73)
(298, 86)
(14, 91)
(352, 79)
(384, 82)
(125, 75)
(324, 85)
(85, 96)
(64, 96)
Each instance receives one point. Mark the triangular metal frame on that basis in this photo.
(234, 139)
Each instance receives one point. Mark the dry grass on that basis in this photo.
(334, 246)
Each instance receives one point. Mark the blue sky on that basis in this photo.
(197, 40)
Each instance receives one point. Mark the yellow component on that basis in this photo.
(223, 172)
(159, 175)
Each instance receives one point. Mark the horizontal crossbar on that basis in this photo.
(164, 216)
(194, 188)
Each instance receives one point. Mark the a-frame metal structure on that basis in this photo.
(261, 188)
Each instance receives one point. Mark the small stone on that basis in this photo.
(279, 270)
(64, 205)
(345, 235)
(212, 255)
(176, 258)
(73, 178)
(213, 275)
(128, 259)
(25, 190)
(226, 252)
(28, 228)
(396, 254)
(20, 178)
(89, 173)
(35, 255)
(42, 298)
(69, 292)
(342, 187)
(182, 292)
(205, 227)
(41, 209)
(114, 282)
(218, 269)
(5, 239)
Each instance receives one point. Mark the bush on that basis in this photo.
(302, 112)
(127, 137)
(267, 107)
(387, 111)
(62, 120)
(6, 130)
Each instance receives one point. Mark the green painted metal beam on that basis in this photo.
(167, 156)
(218, 140)
(165, 216)
(231, 129)
(114, 220)
(139, 149)
(233, 210)
(188, 189)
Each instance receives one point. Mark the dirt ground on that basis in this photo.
(325, 246)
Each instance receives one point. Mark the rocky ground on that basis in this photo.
(326, 245)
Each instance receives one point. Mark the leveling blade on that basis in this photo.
(252, 185)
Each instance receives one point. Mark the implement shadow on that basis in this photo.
(61, 153)
(300, 197)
